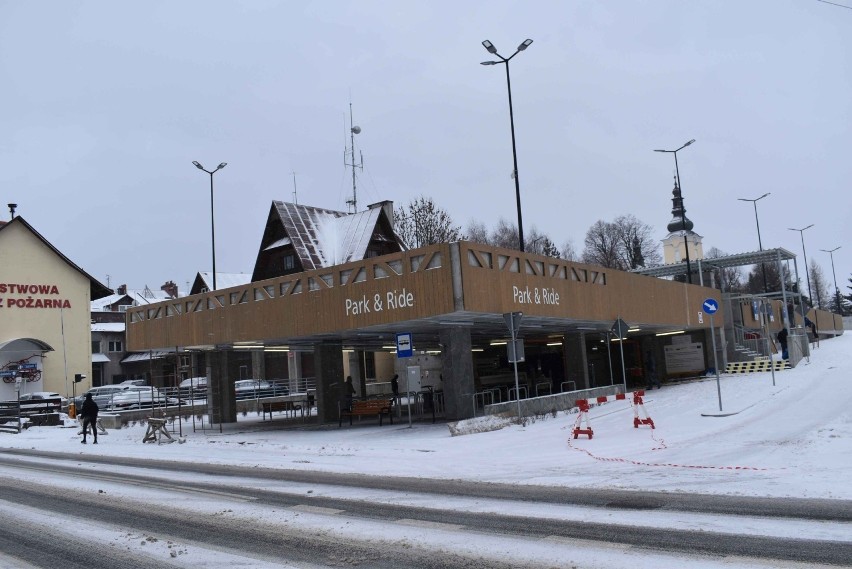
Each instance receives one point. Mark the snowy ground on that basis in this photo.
(792, 439)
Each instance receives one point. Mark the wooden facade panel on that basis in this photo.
(373, 301)
(635, 298)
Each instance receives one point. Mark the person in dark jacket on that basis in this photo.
(782, 339)
(395, 387)
(89, 413)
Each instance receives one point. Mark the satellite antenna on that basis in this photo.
(353, 130)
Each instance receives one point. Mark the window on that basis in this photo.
(289, 262)
(96, 346)
(115, 346)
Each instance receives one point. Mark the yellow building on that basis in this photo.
(44, 314)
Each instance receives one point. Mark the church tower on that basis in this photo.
(681, 236)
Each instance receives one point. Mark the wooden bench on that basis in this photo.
(284, 406)
(370, 407)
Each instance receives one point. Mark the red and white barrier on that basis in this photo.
(583, 415)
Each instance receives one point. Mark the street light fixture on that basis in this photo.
(212, 225)
(836, 290)
(759, 242)
(505, 60)
(682, 208)
(805, 255)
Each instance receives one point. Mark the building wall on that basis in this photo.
(26, 260)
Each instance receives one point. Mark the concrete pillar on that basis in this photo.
(457, 371)
(358, 380)
(221, 401)
(294, 369)
(328, 363)
(576, 362)
(258, 365)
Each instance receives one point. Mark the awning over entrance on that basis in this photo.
(144, 356)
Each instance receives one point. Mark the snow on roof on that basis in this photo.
(324, 237)
(225, 280)
(101, 303)
(108, 327)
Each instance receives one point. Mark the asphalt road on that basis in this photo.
(292, 546)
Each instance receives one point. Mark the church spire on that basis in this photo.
(679, 220)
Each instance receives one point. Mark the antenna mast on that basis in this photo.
(353, 130)
(295, 198)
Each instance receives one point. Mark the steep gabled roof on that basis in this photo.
(323, 237)
(98, 290)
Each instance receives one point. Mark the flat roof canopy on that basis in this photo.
(738, 260)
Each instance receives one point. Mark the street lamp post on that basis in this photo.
(805, 256)
(212, 225)
(504, 60)
(759, 242)
(836, 290)
(682, 208)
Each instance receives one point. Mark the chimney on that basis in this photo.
(122, 289)
(12, 208)
(170, 288)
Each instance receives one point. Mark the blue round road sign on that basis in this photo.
(710, 306)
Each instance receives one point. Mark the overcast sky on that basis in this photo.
(105, 105)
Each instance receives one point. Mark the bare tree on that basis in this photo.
(477, 232)
(540, 244)
(637, 247)
(505, 235)
(602, 246)
(819, 286)
(421, 223)
(729, 279)
(568, 252)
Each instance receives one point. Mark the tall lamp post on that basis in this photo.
(212, 225)
(505, 60)
(836, 290)
(805, 256)
(759, 242)
(682, 208)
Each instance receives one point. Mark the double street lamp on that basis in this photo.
(805, 255)
(759, 242)
(836, 290)
(682, 208)
(212, 225)
(505, 60)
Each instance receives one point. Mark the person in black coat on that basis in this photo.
(782, 339)
(89, 413)
(395, 387)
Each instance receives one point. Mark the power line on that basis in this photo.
(833, 4)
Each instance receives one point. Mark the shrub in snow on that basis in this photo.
(480, 424)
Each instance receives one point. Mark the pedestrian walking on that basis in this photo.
(89, 414)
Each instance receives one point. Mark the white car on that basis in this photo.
(137, 397)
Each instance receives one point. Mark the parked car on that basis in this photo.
(194, 383)
(251, 388)
(36, 397)
(137, 397)
(101, 395)
(134, 382)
